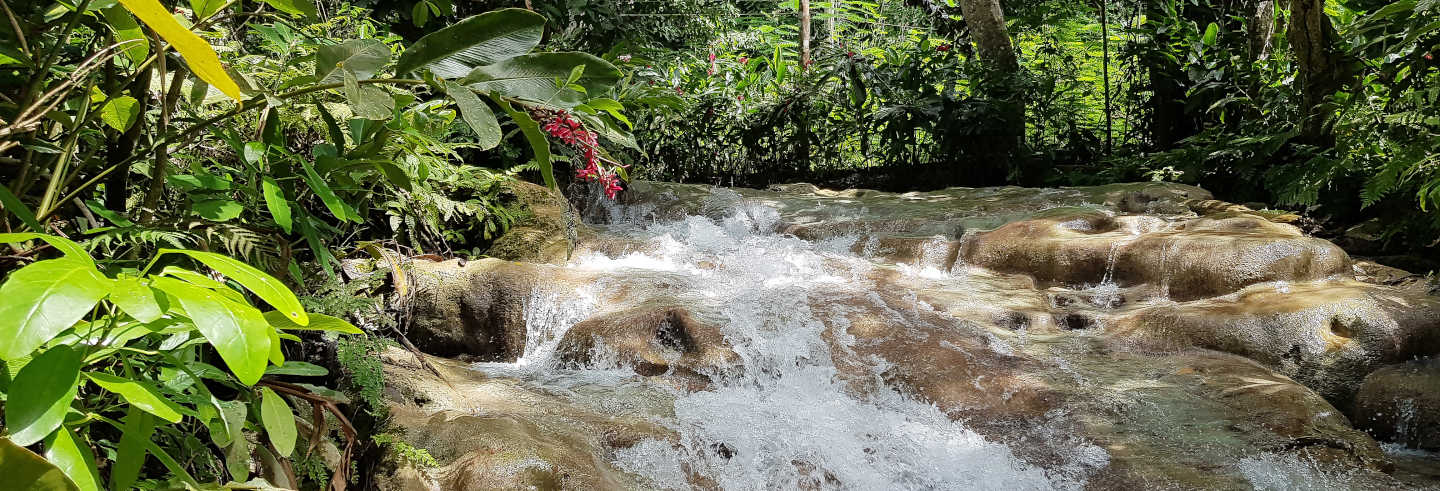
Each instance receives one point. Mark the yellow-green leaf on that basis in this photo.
(266, 287)
(45, 298)
(41, 393)
(73, 456)
(138, 394)
(279, 421)
(26, 470)
(120, 112)
(197, 53)
(318, 322)
(127, 31)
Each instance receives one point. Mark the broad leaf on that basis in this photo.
(138, 394)
(219, 210)
(41, 393)
(298, 369)
(277, 204)
(318, 322)
(294, 7)
(237, 331)
(203, 8)
(337, 206)
(269, 289)
(484, 39)
(67, 246)
(477, 114)
(130, 453)
(278, 420)
(363, 57)
(135, 298)
(366, 101)
(128, 31)
(538, 142)
(45, 298)
(73, 456)
(534, 77)
(24, 469)
(198, 54)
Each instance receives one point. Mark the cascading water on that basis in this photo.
(787, 418)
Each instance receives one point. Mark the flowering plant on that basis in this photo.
(562, 126)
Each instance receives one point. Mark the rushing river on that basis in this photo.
(820, 382)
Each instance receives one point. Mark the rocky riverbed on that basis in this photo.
(1113, 337)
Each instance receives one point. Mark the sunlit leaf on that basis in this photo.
(269, 289)
(480, 40)
(363, 57)
(41, 393)
(73, 456)
(138, 394)
(477, 114)
(45, 298)
(24, 469)
(197, 53)
(237, 331)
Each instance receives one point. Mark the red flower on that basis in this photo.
(570, 131)
(712, 56)
(1429, 56)
(740, 97)
(942, 48)
(742, 60)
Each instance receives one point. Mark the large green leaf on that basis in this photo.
(67, 246)
(364, 57)
(318, 322)
(275, 202)
(295, 7)
(337, 206)
(130, 453)
(41, 393)
(25, 470)
(138, 394)
(534, 77)
(73, 456)
(127, 31)
(269, 289)
(219, 210)
(45, 298)
(278, 420)
(298, 369)
(477, 114)
(203, 8)
(484, 39)
(136, 298)
(538, 142)
(120, 113)
(237, 331)
(366, 101)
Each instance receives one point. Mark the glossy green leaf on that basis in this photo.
(480, 40)
(120, 113)
(278, 420)
(67, 246)
(363, 57)
(130, 452)
(367, 101)
(127, 30)
(318, 322)
(219, 210)
(298, 369)
(277, 204)
(1212, 32)
(45, 298)
(24, 469)
(294, 7)
(538, 142)
(533, 77)
(237, 331)
(12, 204)
(477, 114)
(337, 206)
(203, 8)
(41, 393)
(138, 394)
(277, 355)
(73, 456)
(136, 298)
(269, 289)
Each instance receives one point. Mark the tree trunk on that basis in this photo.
(1262, 29)
(804, 34)
(986, 21)
(1322, 67)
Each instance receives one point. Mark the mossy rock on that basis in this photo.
(543, 229)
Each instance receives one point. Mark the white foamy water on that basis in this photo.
(787, 419)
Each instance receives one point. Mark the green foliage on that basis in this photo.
(365, 374)
(415, 456)
(144, 339)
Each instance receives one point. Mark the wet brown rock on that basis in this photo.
(542, 232)
(1326, 335)
(652, 339)
(1192, 259)
(475, 309)
(1401, 403)
(490, 433)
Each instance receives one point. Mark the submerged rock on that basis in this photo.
(1115, 337)
(1401, 403)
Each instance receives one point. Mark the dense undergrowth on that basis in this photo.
(208, 204)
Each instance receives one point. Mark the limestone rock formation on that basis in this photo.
(1401, 403)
